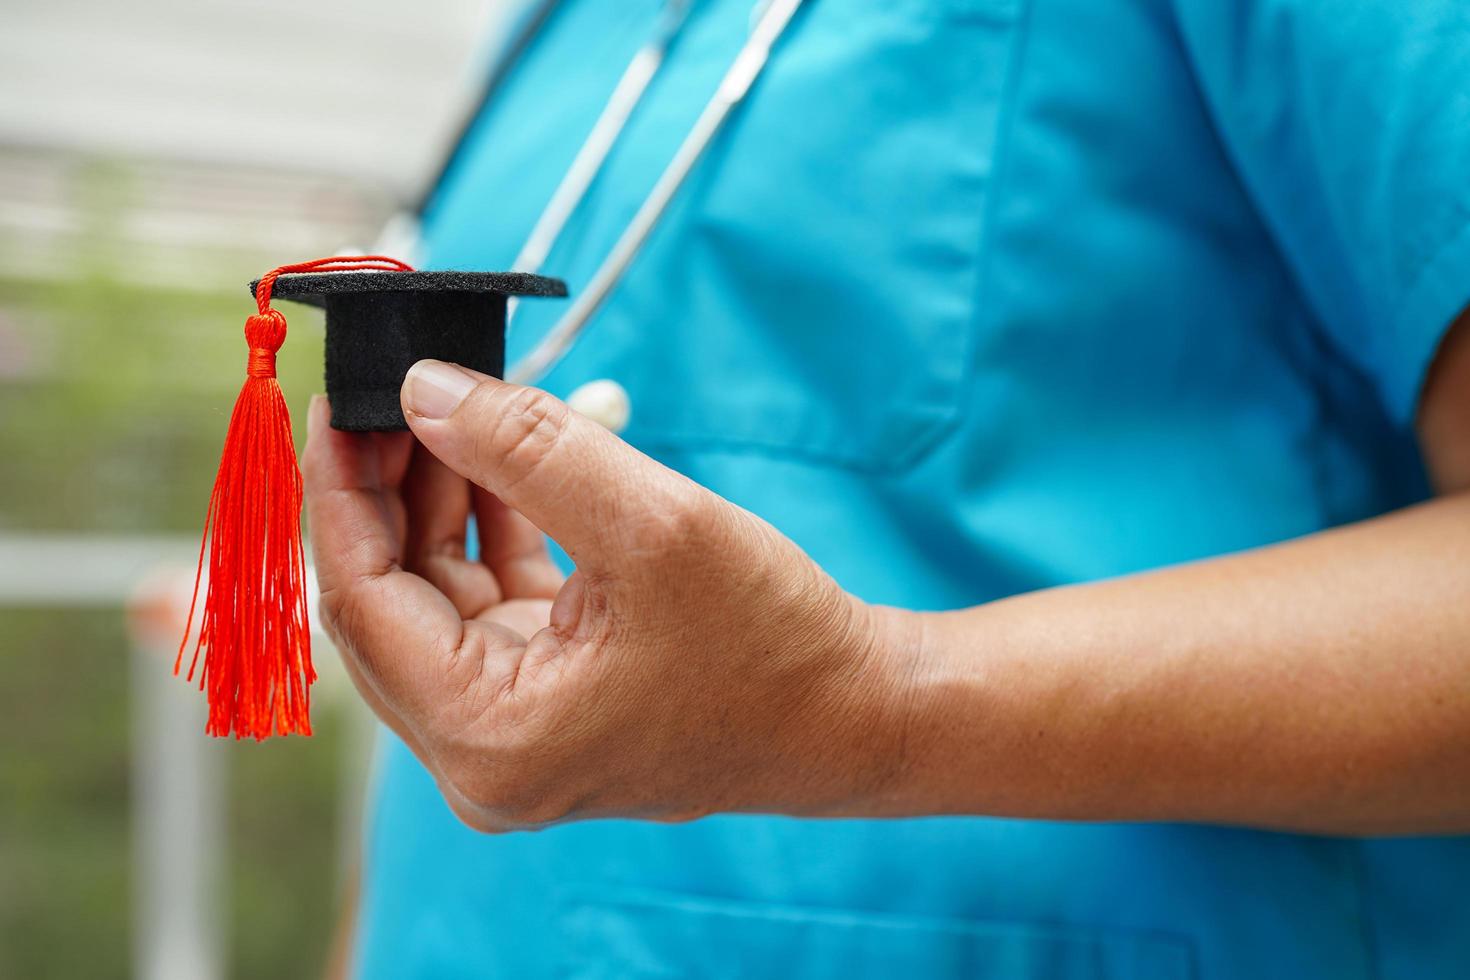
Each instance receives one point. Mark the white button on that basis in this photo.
(604, 402)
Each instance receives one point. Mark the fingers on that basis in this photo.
(404, 635)
(514, 549)
(354, 505)
(381, 708)
(524, 617)
(570, 477)
(437, 501)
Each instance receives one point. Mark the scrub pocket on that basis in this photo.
(640, 935)
(826, 256)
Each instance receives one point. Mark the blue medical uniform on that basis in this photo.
(975, 297)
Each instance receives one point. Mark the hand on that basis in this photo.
(697, 661)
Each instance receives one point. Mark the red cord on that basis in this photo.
(337, 263)
(254, 634)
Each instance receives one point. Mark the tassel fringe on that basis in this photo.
(254, 638)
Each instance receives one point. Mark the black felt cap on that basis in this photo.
(380, 323)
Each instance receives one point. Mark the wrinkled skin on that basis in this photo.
(696, 661)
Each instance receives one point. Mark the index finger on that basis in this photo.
(399, 630)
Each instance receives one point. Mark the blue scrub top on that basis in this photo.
(975, 297)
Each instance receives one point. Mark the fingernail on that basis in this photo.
(317, 414)
(434, 389)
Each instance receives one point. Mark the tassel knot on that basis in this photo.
(266, 330)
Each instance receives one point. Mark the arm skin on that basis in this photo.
(699, 662)
(1321, 685)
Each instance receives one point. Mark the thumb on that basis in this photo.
(576, 481)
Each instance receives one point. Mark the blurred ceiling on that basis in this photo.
(365, 89)
(178, 141)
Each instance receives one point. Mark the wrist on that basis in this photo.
(965, 715)
(886, 660)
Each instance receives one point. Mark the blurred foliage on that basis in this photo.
(114, 396)
(285, 814)
(123, 406)
(65, 839)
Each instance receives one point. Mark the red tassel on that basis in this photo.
(254, 634)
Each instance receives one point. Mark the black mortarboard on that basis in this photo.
(380, 323)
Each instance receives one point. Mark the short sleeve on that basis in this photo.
(1349, 123)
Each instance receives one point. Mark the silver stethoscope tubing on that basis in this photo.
(769, 20)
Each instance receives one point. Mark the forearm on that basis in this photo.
(1321, 685)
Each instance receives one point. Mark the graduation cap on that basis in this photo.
(380, 323)
(382, 317)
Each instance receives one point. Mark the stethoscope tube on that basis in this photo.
(773, 17)
(605, 132)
